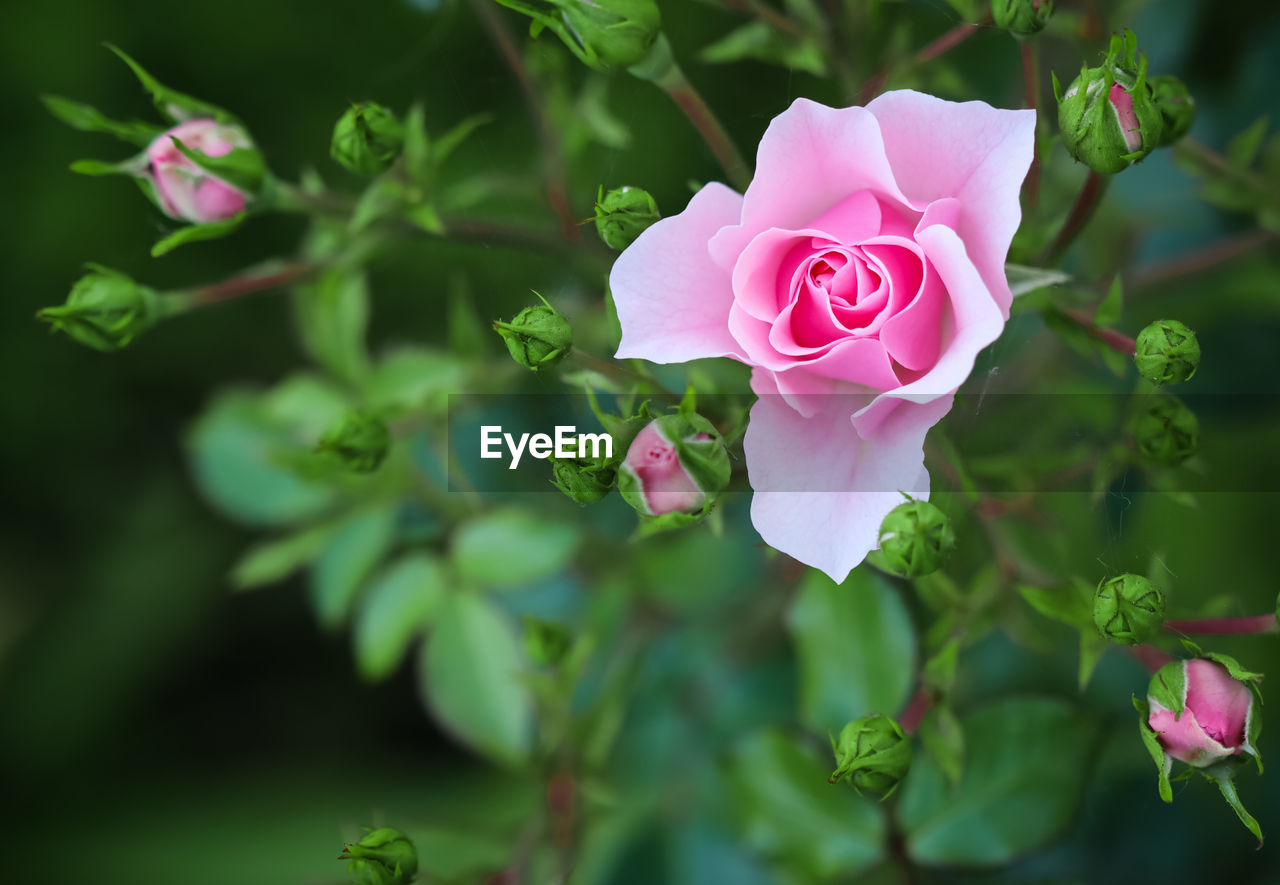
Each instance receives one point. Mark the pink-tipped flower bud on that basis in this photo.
(676, 464)
(1200, 713)
(183, 188)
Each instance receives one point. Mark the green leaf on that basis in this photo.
(1021, 783)
(1092, 648)
(400, 603)
(446, 144)
(242, 167)
(943, 739)
(173, 105)
(1243, 149)
(1067, 605)
(234, 453)
(333, 316)
(1164, 763)
(193, 233)
(471, 679)
(939, 672)
(1023, 279)
(1222, 775)
(511, 547)
(1108, 311)
(88, 119)
(856, 649)
(355, 549)
(789, 812)
(275, 560)
(100, 167)
(759, 41)
(410, 379)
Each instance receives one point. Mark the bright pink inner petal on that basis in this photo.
(1122, 104)
(1220, 703)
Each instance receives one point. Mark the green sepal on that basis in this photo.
(1107, 314)
(243, 168)
(195, 232)
(1164, 763)
(1222, 775)
(174, 106)
(87, 118)
(1168, 687)
(1232, 665)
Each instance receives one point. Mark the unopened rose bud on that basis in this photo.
(1167, 352)
(623, 214)
(357, 441)
(105, 310)
(614, 33)
(546, 643)
(1199, 712)
(1128, 609)
(1108, 116)
(1021, 17)
(873, 753)
(367, 138)
(1166, 432)
(537, 337)
(676, 464)
(383, 857)
(584, 480)
(1177, 107)
(186, 190)
(915, 539)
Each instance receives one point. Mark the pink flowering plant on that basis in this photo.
(695, 444)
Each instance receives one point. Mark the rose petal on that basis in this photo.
(1183, 738)
(810, 159)
(1220, 702)
(672, 299)
(971, 151)
(821, 491)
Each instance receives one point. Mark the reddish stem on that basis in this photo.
(237, 287)
(1225, 626)
(929, 52)
(1117, 341)
(919, 704)
(1090, 195)
(1031, 78)
(1151, 657)
(1210, 256)
(709, 127)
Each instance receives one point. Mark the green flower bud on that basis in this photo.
(677, 464)
(1167, 352)
(383, 857)
(105, 310)
(584, 480)
(624, 214)
(537, 337)
(1166, 432)
(1021, 17)
(1177, 107)
(873, 753)
(357, 441)
(1108, 116)
(1128, 609)
(546, 643)
(367, 138)
(915, 539)
(612, 33)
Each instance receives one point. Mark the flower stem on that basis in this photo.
(1031, 78)
(1225, 626)
(1150, 657)
(929, 52)
(281, 277)
(1203, 259)
(916, 708)
(709, 127)
(1117, 341)
(1090, 195)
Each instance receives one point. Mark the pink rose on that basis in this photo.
(1214, 722)
(859, 276)
(185, 190)
(662, 482)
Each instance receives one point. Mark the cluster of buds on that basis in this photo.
(383, 857)
(367, 138)
(623, 214)
(1108, 116)
(1167, 352)
(915, 539)
(1022, 18)
(873, 753)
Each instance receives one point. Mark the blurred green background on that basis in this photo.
(156, 728)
